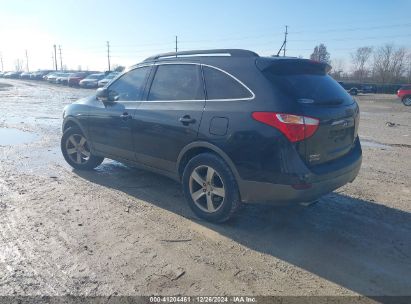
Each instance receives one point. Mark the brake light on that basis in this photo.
(294, 127)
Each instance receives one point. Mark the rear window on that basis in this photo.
(308, 86)
(220, 85)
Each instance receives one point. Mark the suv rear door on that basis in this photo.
(319, 96)
(170, 117)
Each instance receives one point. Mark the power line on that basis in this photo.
(125, 48)
(368, 28)
(350, 38)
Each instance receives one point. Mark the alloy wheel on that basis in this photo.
(78, 149)
(207, 189)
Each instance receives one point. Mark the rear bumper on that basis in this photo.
(321, 184)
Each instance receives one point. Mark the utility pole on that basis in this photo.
(285, 39)
(61, 59)
(27, 62)
(176, 45)
(55, 57)
(52, 60)
(1, 60)
(284, 45)
(108, 55)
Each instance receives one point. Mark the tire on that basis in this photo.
(407, 100)
(209, 178)
(76, 150)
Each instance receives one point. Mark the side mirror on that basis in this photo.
(102, 94)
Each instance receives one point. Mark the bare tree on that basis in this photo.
(359, 59)
(338, 66)
(320, 53)
(408, 68)
(118, 68)
(389, 63)
(18, 65)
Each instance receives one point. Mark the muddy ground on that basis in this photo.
(123, 231)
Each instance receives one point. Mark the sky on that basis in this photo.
(137, 29)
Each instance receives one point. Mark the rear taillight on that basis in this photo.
(294, 127)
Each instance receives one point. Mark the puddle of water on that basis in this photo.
(373, 144)
(9, 137)
(367, 114)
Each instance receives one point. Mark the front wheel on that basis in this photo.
(210, 188)
(76, 150)
(407, 101)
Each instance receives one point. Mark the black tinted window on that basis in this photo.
(177, 82)
(219, 85)
(313, 88)
(130, 86)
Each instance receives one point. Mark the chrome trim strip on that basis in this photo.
(207, 65)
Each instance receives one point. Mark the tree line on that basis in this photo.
(384, 64)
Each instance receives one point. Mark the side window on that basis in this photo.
(130, 86)
(177, 82)
(219, 85)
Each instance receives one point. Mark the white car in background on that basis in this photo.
(107, 79)
(91, 81)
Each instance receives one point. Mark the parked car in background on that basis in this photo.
(53, 76)
(366, 88)
(63, 79)
(352, 89)
(38, 75)
(13, 74)
(2, 74)
(107, 79)
(404, 93)
(91, 81)
(232, 129)
(25, 75)
(75, 78)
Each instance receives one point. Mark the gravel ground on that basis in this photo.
(122, 231)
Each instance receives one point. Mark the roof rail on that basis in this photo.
(216, 52)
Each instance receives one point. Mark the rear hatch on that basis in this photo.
(318, 95)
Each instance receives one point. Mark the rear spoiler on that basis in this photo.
(288, 65)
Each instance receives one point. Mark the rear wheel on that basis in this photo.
(76, 150)
(210, 188)
(407, 101)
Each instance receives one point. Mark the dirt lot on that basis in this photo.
(119, 230)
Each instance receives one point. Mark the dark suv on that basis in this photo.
(231, 126)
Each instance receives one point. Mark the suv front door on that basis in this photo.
(171, 116)
(110, 123)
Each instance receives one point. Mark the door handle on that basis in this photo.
(186, 120)
(125, 116)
